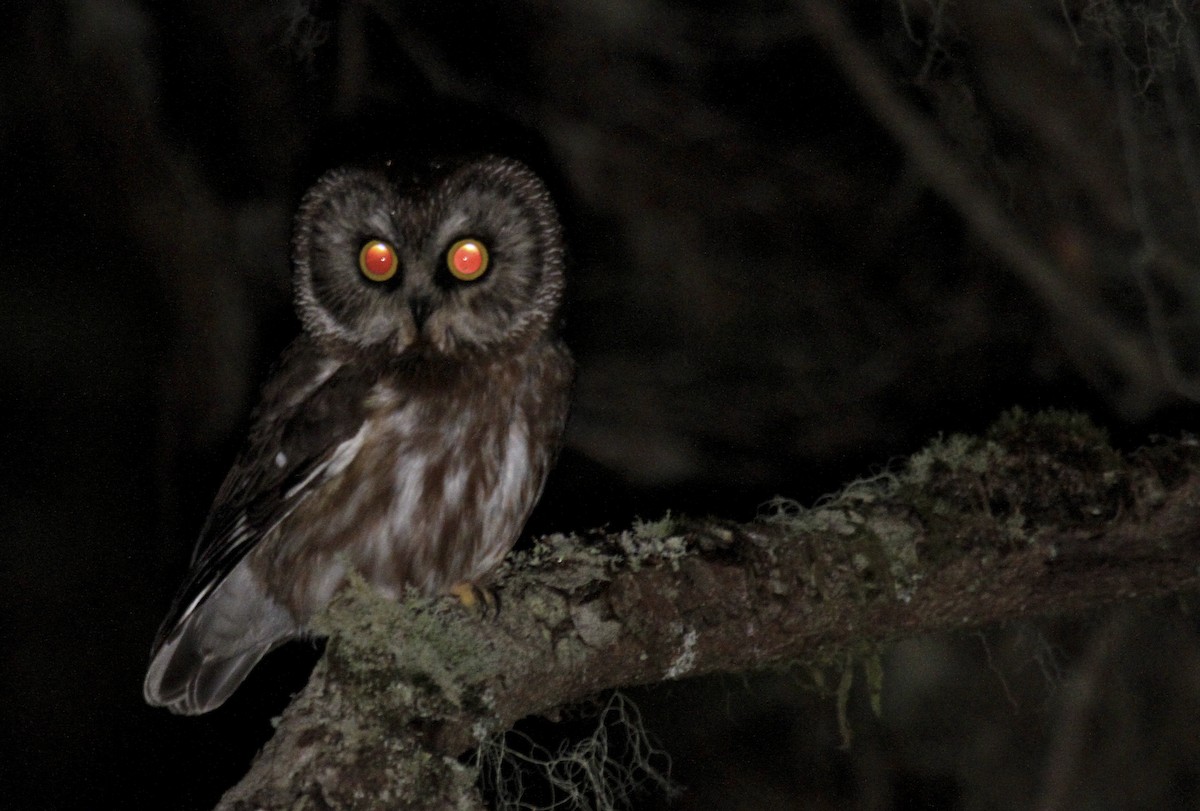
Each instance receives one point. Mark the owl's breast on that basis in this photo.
(436, 493)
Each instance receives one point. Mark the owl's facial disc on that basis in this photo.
(495, 253)
(470, 262)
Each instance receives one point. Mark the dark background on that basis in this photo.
(771, 293)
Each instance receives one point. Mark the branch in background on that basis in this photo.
(1039, 517)
(952, 179)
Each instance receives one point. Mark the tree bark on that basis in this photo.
(1038, 517)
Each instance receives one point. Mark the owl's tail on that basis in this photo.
(213, 648)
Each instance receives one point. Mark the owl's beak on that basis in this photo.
(420, 306)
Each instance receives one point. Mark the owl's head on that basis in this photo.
(472, 261)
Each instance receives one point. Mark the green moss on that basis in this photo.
(653, 542)
(571, 561)
(401, 655)
(1050, 468)
(660, 529)
(962, 495)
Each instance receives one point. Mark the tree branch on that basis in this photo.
(1075, 303)
(1038, 517)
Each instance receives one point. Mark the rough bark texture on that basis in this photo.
(1041, 516)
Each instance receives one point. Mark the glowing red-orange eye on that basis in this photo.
(467, 259)
(378, 261)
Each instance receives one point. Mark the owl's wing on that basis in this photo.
(307, 427)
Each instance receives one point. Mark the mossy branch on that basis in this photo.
(1040, 516)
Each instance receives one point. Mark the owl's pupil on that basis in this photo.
(467, 259)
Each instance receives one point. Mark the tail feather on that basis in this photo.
(212, 649)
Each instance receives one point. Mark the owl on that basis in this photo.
(407, 432)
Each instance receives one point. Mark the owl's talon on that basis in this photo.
(481, 598)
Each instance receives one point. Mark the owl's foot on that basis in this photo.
(473, 595)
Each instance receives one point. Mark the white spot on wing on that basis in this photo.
(280, 459)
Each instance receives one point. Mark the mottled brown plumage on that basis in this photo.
(406, 434)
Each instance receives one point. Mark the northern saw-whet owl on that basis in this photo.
(405, 434)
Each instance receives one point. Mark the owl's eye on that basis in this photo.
(377, 260)
(467, 259)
